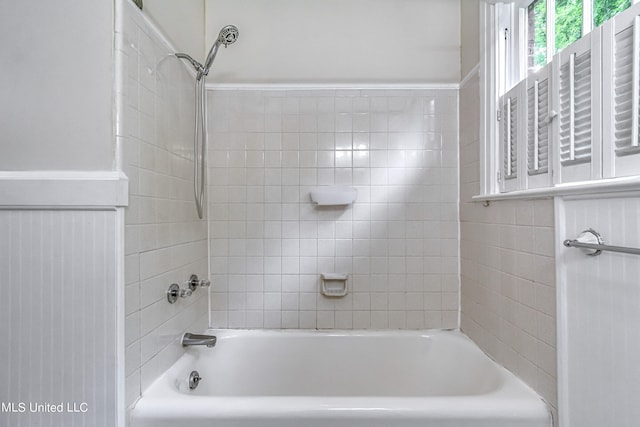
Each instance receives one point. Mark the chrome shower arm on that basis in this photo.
(196, 65)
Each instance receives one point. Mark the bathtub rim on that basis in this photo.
(513, 398)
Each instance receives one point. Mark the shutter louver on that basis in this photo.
(511, 138)
(538, 129)
(582, 113)
(575, 110)
(565, 112)
(626, 90)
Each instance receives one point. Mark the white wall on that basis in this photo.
(56, 82)
(469, 34)
(398, 242)
(338, 41)
(183, 23)
(62, 340)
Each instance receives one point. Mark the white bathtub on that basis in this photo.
(339, 378)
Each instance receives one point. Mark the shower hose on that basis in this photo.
(199, 145)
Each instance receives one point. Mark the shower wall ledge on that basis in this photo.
(63, 189)
(603, 186)
(334, 86)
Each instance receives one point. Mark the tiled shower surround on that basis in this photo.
(398, 242)
(507, 268)
(164, 239)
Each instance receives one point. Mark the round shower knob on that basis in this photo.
(174, 292)
(194, 282)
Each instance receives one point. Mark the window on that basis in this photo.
(570, 19)
(560, 93)
(537, 35)
(568, 22)
(603, 10)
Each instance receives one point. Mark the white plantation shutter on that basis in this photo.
(512, 138)
(621, 94)
(539, 116)
(578, 99)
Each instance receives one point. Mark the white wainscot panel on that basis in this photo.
(598, 314)
(58, 316)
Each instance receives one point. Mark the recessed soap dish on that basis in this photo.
(334, 284)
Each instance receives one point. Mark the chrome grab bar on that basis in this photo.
(591, 239)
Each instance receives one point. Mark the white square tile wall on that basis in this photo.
(507, 269)
(164, 239)
(398, 242)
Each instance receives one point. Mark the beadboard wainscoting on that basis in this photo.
(599, 308)
(398, 242)
(59, 275)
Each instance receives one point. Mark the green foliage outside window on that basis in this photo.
(606, 9)
(568, 23)
(539, 28)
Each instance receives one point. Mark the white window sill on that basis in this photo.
(613, 185)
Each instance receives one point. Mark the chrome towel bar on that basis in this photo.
(591, 239)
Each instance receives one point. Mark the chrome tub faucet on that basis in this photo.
(189, 339)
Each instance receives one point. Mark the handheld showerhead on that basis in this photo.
(228, 35)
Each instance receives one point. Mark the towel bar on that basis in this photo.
(583, 241)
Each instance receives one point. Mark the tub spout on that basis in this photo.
(189, 339)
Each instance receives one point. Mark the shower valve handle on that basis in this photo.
(194, 282)
(174, 292)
